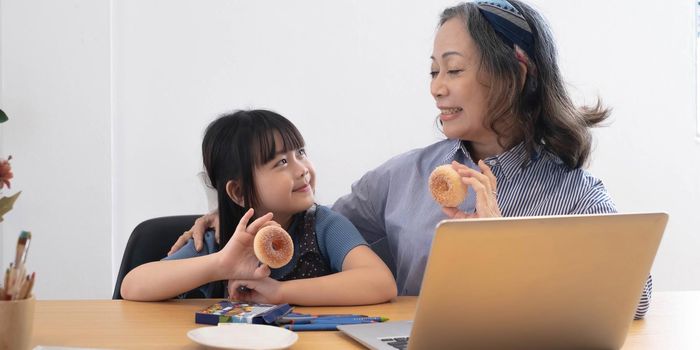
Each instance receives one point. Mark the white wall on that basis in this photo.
(55, 61)
(108, 101)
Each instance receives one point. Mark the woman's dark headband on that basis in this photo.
(508, 23)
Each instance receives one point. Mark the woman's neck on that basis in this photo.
(482, 150)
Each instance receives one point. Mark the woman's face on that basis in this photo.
(457, 84)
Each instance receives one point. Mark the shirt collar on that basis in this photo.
(456, 146)
(510, 162)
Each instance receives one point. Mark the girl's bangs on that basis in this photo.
(266, 147)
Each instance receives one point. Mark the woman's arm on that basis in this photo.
(167, 278)
(364, 205)
(365, 279)
(199, 228)
(598, 201)
(644, 301)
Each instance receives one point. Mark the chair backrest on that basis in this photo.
(150, 241)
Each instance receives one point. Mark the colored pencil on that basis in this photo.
(30, 285)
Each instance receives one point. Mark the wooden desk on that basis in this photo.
(673, 322)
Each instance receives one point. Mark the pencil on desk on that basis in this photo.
(312, 327)
(350, 320)
(331, 323)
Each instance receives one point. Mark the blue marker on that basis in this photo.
(312, 327)
(331, 325)
(307, 318)
(349, 320)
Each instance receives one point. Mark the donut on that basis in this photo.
(446, 186)
(273, 246)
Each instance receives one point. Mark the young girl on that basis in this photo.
(257, 163)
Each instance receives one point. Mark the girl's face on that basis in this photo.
(286, 184)
(457, 84)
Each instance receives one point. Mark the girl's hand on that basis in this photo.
(237, 259)
(261, 291)
(201, 225)
(484, 185)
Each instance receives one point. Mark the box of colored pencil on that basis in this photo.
(227, 311)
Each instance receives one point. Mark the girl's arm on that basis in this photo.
(365, 279)
(168, 278)
(165, 279)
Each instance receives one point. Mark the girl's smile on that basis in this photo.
(303, 188)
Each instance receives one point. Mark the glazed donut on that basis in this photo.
(447, 187)
(273, 246)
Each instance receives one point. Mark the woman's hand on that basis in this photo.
(237, 260)
(201, 225)
(261, 291)
(484, 185)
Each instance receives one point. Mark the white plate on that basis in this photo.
(243, 336)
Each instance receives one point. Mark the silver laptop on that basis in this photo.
(558, 282)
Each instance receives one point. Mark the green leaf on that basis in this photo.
(3, 116)
(6, 203)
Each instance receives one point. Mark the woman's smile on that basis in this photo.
(449, 113)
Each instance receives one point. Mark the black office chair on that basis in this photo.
(150, 241)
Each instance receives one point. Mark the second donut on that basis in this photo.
(447, 187)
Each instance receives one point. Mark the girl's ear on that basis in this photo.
(235, 192)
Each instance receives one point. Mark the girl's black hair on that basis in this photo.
(233, 145)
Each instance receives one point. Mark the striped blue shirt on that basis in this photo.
(384, 202)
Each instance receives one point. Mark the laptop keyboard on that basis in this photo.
(397, 342)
